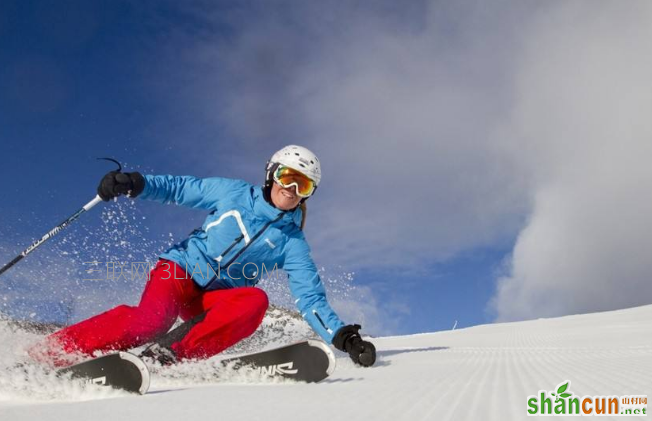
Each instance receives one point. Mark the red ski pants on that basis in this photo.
(232, 315)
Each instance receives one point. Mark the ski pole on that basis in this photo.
(51, 233)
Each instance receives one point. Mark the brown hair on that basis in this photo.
(304, 211)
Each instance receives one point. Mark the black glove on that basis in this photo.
(348, 339)
(116, 183)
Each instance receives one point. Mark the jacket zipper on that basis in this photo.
(242, 250)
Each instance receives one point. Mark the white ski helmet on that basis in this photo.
(297, 158)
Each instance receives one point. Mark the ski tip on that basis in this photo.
(329, 353)
(144, 371)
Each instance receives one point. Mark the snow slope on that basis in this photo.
(480, 373)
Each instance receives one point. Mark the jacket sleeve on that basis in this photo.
(201, 193)
(308, 290)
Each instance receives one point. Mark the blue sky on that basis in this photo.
(471, 168)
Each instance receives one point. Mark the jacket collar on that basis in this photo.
(266, 210)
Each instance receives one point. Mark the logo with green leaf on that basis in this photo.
(561, 392)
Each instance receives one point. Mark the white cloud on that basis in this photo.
(583, 127)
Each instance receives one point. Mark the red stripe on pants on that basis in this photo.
(232, 315)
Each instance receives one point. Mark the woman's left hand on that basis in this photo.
(348, 339)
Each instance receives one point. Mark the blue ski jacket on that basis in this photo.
(243, 239)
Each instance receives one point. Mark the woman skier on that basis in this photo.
(210, 277)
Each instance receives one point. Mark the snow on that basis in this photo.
(479, 373)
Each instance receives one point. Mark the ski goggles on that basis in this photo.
(286, 177)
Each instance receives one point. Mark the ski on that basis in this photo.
(120, 370)
(308, 361)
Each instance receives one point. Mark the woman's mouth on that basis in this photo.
(288, 195)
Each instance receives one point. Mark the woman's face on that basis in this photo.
(285, 198)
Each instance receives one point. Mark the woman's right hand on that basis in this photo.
(117, 183)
